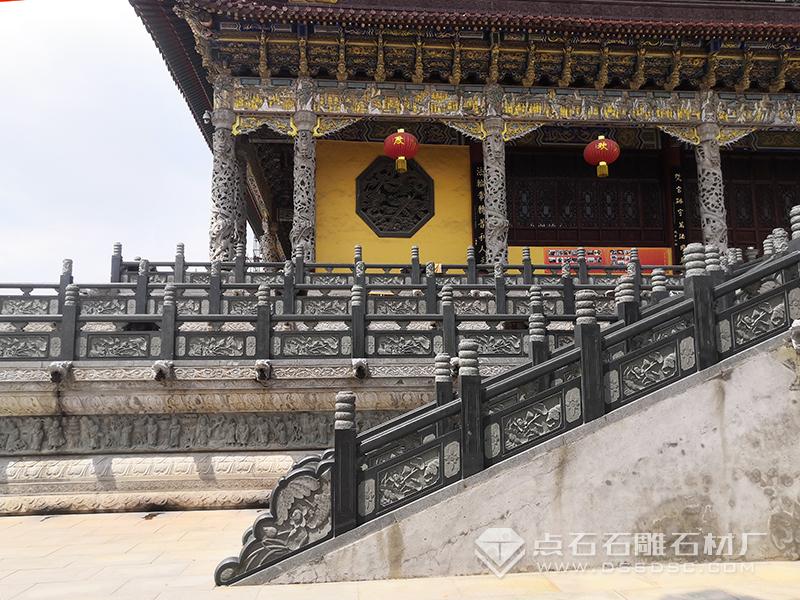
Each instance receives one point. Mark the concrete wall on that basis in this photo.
(717, 453)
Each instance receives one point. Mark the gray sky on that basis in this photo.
(97, 144)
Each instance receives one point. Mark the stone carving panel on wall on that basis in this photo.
(394, 204)
(102, 434)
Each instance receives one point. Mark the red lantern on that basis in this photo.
(400, 146)
(601, 153)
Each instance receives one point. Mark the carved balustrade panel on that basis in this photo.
(27, 304)
(748, 323)
(528, 416)
(408, 471)
(23, 345)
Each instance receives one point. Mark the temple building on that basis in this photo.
(295, 98)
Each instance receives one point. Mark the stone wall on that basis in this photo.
(111, 437)
(714, 454)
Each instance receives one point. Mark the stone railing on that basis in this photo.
(261, 311)
(475, 423)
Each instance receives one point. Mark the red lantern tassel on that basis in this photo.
(400, 164)
(602, 169)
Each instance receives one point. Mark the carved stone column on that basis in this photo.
(709, 179)
(304, 197)
(494, 203)
(228, 216)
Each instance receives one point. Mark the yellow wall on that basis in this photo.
(443, 239)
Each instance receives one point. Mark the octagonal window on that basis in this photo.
(394, 204)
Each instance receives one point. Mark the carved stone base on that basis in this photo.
(140, 482)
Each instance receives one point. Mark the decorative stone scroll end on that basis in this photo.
(263, 370)
(163, 371)
(299, 515)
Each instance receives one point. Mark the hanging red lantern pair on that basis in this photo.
(600, 153)
(402, 147)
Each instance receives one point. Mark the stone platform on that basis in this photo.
(171, 556)
(112, 437)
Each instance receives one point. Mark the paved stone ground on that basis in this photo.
(169, 556)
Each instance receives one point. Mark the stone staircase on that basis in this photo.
(580, 441)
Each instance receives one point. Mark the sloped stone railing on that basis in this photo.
(475, 423)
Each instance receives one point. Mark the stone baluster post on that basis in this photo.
(626, 298)
(494, 203)
(228, 214)
(658, 281)
(449, 329)
(263, 322)
(238, 262)
(416, 272)
(358, 322)
(527, 267)
(711, 191)
(69, 322)
(169, 314)
(179, 270)
(768, 246)
(699, 287)
(539, 350)
(780, 238)
(64, 280)
(304, 195)
(469, 382)
(587, 338)
(794, 223)
(116, 263)
(714, 264)
(345, 480)
(142, 281)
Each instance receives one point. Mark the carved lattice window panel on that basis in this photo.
(759, 190)
(394, 204)
(554, 197)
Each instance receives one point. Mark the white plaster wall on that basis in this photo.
(716, 453)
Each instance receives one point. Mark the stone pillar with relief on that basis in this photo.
(494, 203)
(711, 193)
(304, 194)
(228, 215)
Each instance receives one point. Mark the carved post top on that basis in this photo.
(526, 254)
(262, 295)
(447, 294)
(345, 411)
(180, 249)
(358, 254)
(305, 120)
(471, 249)
(794, 220)
(708, 132)
(66, 266)
(71, 294)
(658, 280)
(634, 255)
(357, 295)
(780, 238)
(169, 295)
(625, 290)
(467, 358)
(694, 259)
(414, 253)
(713, 258)
(769, 246)
(216, 268)
(117, 248)
(144, 267)
(430, 269)
(585, 308)
(442, 372)
(241, 248)
(535, 298)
